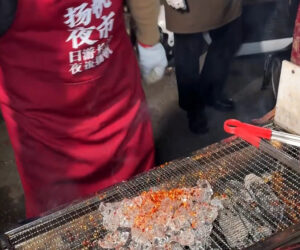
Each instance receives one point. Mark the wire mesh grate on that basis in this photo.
(225, 165)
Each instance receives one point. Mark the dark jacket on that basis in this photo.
(203, 15)
(7, 14)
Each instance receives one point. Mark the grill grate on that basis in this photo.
(225, 165)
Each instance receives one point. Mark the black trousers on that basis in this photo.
(196, 90)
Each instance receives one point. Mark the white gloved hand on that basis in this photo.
(153, 62)
(177, 4)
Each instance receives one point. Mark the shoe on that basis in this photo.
(197, 122)
(224, 105)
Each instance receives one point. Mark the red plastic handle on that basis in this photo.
(249, 133)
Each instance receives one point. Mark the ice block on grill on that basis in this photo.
(158, 218)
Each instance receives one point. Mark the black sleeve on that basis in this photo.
(7, 14)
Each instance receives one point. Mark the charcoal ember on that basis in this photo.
(264, 195)
(115, 239)
(252, 179)
(235, 227)
(241, 197)
(261, 232)
(239, 192)
(267, 177)
(254, 193)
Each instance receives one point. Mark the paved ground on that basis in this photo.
(172, 136)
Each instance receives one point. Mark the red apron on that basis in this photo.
(72, 100)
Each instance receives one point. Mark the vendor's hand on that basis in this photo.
(153, 62)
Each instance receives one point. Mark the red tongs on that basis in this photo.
(254, 134)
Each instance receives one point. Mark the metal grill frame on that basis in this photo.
(76, 210)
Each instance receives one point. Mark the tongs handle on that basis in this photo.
(247, 132)
(286, 138)
(254, 134)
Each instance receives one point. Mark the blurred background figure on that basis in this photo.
(216, 24)
(295, 58)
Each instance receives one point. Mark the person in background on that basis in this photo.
(295, 58)
(195, 22)
(71, 94)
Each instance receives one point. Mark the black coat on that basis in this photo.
(7, 14)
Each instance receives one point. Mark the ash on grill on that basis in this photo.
(255, 196)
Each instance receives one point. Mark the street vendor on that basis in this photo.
(71, 94)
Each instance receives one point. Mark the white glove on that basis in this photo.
(153, 62)
(177, 4)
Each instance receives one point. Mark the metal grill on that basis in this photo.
(223, 165)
